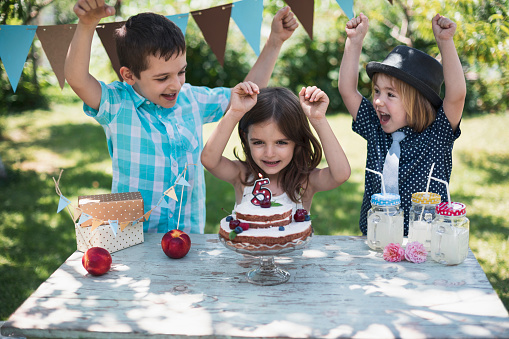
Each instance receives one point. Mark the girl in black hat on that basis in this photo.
(407, 127)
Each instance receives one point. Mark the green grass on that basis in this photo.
(35, 240)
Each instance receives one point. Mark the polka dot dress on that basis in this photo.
(418, 152)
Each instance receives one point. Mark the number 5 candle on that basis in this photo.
(261, 193)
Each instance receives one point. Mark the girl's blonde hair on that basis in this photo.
(282, 106)
(420, 111)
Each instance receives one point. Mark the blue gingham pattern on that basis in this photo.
(150, 145)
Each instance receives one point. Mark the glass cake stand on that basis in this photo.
(267, 273)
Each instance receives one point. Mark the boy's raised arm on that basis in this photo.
(282, 28)
(348, 79)
(77, 62)
(455, 86)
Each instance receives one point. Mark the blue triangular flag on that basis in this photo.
(180, 20)
(84, 217)
(182, 181)
(164, 203)
(347, 7)
(248, 15)
(15, 42)
(114, 226)
(62, 203)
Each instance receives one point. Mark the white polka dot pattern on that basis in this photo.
(114, 206)
(103, 237)
(418, 152)
(124, 207)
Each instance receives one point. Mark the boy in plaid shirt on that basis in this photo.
(153, 119)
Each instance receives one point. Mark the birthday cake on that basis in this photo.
(254, 227)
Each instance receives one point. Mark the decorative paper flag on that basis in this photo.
(164, 203)
(96, 223)
(248, 15)
(62, 203)
(180, 20)
(77, 213)
(147, 215)
(55, 41)
(84, 217)
(304, 10)
(347, 7)
(106, 34)
(123, 225)
(170, 192)
(114, 226)
(15, 42)
(213, 23)
(182, 181)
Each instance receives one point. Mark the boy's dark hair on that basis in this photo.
(147, 34)
(282, 106)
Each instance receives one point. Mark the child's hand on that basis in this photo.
(443, 28)
(92, 11)
(357, 28)
(244, 97)
(284, 24)
(314, 102)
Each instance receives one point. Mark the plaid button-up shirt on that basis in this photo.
(150, 146)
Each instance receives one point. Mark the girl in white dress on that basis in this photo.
(278, 144)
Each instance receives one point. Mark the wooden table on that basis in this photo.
(338, 288)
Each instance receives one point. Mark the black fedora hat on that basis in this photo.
(414, 67)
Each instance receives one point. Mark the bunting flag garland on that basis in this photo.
(106, 33)
(115, 224)
(84, 217)
(182, 181)
(304, 11)
(15, 40)
(170, 192)
(180, 20)
(248, 16)
(62, 203)
(55, 41)
(219, 18)
(347, 7)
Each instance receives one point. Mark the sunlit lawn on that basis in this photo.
(35, 240)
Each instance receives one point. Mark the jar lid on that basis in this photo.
(453, 209)
(387, 199)
(426, 198)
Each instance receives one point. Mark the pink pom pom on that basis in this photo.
(394, 252)
(415, 252)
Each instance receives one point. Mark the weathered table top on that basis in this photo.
(338, 288)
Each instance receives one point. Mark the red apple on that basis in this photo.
(176, 244)
(96, 260)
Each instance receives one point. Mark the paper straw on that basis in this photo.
(381, 176)
(429, 177)
(447, 186)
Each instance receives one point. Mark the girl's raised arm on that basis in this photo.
(455, 86)
(348, 80)
(243, 98)
(314, 102)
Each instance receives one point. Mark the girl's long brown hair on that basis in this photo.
(283, 107)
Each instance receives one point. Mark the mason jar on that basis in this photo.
(385, 221)
(422, 213)
(450, 233)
